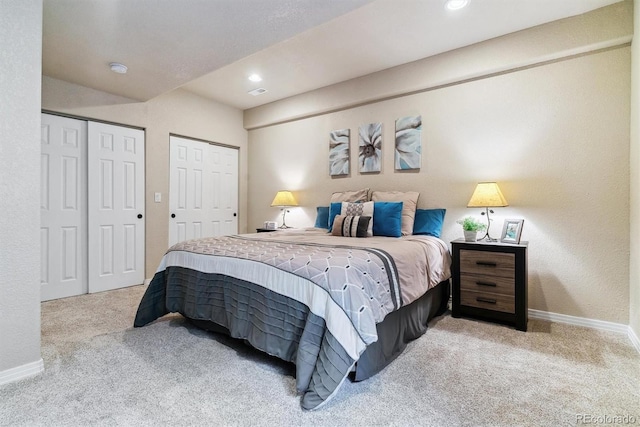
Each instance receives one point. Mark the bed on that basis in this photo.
(334, 306)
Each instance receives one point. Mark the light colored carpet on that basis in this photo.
(101, 371)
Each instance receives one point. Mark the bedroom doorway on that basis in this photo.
(92, 207)
(203, 189)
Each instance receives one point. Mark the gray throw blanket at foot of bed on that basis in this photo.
(270, 322)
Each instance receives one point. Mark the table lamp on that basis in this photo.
(487, 195)
(283, 200)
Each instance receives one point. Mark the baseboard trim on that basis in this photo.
(146, 282)
(579, 321)
(587, 323)
(21, 372)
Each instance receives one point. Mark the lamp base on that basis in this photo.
(486, 238)
(284, 224)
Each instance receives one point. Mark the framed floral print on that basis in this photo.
(370, 144)
(408, 153)
(339, 152)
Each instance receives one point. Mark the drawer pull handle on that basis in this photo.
(486, 263)
(486, 284)
(487, 300)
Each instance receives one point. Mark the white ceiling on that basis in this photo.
(210, 47)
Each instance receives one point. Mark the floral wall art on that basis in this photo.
(370, 142)
(339, 152)
(408, 153)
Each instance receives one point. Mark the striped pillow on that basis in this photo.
(350, 225)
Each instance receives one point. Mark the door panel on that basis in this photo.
(63, 205)
(230, 196)
(203, 199)
(116, 206)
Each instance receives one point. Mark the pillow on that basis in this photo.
(387, 219)
(334, 209)
(322, 217)
(351, 196)
(429, 222)
(351, 225)
(410, 202)
(362, 209)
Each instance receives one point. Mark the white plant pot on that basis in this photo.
(470, 236)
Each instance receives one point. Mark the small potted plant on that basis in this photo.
(471, 226)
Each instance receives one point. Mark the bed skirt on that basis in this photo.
(394, 332)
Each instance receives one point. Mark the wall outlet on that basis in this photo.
(157, 197)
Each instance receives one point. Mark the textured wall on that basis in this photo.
(634, 282)
(21, 45)
(555, 137)
(178, 112)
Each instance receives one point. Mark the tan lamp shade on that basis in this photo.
(284, 198)
(487, 194)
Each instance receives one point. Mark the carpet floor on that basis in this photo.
(101, 371)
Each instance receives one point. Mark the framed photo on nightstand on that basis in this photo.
(511, 230)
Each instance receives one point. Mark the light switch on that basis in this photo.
(157, 197)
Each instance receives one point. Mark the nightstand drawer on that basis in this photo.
(488, 301)
(488, 284)
(492, 263)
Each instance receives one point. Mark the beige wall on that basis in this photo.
(21, 46)
(555, 136)
(177, 112)
(634, 295)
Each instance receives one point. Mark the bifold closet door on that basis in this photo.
(115, 206)
(203, 190)
(63, 207)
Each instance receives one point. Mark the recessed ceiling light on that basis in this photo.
(456, 4)
(255, 78)
(116, 67)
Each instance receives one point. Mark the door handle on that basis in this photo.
(173, 215)
(139, 216)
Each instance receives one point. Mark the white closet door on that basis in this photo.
(63, 207)
(223, 170)
(203, 198)
(116, 206)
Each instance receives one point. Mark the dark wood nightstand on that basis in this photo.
(265, 230)
(489, 281)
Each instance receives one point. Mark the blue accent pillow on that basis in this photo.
(429, 222)
(322, 217)
(334, 209)
(387, 219)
